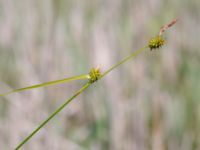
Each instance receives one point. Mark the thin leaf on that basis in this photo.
(47, 84)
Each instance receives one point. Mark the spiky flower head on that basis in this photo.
(94, 75)
(156, 42)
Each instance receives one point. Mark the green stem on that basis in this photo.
(75, 95)
(123, 61)
(52, 115)
(47, 84)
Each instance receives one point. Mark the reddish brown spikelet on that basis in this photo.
(165, 27)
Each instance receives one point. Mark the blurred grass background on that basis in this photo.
(150, 103)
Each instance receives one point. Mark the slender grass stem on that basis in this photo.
(93, 76)
(123, 61)
(80, 77)
(74, 96)
(84, 87)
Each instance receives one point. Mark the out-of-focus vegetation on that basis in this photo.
(152, 102)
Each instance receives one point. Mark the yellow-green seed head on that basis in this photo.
(156, 42)
(94, 75)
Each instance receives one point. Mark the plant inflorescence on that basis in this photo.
(93, 76)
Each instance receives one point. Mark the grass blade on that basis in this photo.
(47, 84)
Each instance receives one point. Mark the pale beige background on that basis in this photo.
(149, 103)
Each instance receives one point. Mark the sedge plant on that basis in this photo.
(93, 76)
